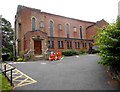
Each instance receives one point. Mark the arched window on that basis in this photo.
(81, 32)
(51, 28)
(67, 30)
(33, 24)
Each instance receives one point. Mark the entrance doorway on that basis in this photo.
(37, 47)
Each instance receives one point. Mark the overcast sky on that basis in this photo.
(89, 10)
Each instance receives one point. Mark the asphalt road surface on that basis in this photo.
(71, 73)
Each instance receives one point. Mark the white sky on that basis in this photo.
(90, 10)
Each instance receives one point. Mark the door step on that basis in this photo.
(37, 58)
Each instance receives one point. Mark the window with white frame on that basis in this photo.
(41, 24)
(33, 24)
(51, 28)
(81, 32)
(74, 29)
(69, 44)
(59, 26)
(67, 30)
(50, 44)
(77, 44)
(60, 44)
(84, 44)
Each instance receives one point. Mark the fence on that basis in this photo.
(5, 70)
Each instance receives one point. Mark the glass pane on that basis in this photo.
(81, 32)
(33, 24)
(51, 28)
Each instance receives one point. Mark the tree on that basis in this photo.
(108, 40)
(7, 36)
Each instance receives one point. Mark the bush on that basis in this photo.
(69, 52)
(4, 84)
(108, 41)
(20, 59)
(83, 51)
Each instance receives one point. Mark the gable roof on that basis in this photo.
(38, 10)
(97, 23)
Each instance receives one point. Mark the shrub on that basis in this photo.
(10, 57)
(83, 51)
(69, 52)
(4, 84)
(20, 59)
(108, 40)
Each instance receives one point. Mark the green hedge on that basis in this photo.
(83, 51)
(4, 84)
(70, 52)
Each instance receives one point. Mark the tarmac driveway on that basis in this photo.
(71, 73)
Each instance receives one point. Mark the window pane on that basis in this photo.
(67, 30)
(33, 24)
(67, 35)
(48, 44)
(81, 35)
(68, 45)
(41, 24)
(58, 44)
(78, 45)
(61, 44)
(60, 27)
(51, 28)
(52, 44)
(74, 29)
(83, 44)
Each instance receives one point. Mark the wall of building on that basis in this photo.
(73, 41)
(26, 15)
(92, 31)
(24, 26)
(63, 21)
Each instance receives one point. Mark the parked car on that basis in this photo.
(93, 50)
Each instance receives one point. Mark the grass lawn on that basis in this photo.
(4, 84)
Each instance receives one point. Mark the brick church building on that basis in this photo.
(40, 31)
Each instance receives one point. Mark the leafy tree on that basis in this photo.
(108, 40)
(7, 36)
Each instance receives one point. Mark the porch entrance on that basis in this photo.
(37, 47)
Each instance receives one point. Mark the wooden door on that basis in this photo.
(37, 47)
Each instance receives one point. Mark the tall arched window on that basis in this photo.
(33, 24)
(81, 32)
(67, 30)
(51, 28)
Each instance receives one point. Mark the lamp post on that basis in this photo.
(14, 41)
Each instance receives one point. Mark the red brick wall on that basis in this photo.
(26, 14)
(92, 31)
(63, 20)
